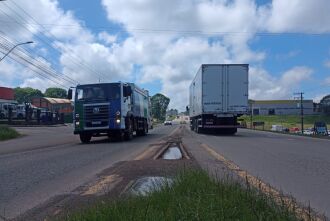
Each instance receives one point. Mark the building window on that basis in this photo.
(271, 111)
(255, 111)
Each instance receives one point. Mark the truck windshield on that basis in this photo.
(98, 92)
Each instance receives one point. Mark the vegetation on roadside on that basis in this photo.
(7, 133)
(287, 120)
(192, 196)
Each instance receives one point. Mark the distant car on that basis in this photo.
(294, 130)
(168, 122)
(308, 132)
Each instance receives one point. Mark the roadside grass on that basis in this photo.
(7, 133)
(192, 196)
(287, 120)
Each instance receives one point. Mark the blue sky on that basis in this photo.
(160, 44)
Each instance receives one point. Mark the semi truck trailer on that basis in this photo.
(110, 109)
(218, 95)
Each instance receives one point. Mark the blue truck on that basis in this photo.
(110, 109)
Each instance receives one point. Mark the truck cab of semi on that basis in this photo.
(111, 109)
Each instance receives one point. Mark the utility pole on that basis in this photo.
(301, 110)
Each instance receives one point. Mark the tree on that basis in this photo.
(55, 92)
(23, 95)
(159, 104)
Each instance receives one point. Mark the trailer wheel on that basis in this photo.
(129, 130)
(85, 138)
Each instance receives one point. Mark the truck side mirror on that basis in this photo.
(70, 94)
(127, 91)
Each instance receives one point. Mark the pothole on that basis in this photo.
(147, 185)
(172, 153)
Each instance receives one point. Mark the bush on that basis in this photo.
(7, 133)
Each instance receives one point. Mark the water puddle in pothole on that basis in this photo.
(172, 153)
(146, 185)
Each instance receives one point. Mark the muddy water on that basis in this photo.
(146, 185)
(172, 153)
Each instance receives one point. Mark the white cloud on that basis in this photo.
(264, 86)
(160, 41)
(107, 38)
(308, 16)
(327, 81)
(327, 63)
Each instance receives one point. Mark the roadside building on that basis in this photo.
(6, 93)
(281, 107)
(55, 105)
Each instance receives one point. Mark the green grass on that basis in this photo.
(7, 133)
(288, 120)
(193, 196)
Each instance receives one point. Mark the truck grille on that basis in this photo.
(96, 115)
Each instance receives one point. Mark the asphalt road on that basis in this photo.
(296, 165)
(50, 161)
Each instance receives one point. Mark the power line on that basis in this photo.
(26, 60)
(40, 64)
(39, 39)
(73, 57)
(177, 31)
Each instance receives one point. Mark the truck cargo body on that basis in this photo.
(112, 109)
(218, 95)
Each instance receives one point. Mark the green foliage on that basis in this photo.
(287, 120)
(159, 104)
(193, 196)
(26, 94)
(55, 92)
(7, 133)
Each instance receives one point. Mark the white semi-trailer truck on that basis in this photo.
(218, 95)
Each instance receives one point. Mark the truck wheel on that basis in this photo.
(145, 129)
(129, 130)
(85, 138)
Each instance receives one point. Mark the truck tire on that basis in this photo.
(129, 130)
(85, 138)
(145, 129)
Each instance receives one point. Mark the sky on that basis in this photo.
(159, 45)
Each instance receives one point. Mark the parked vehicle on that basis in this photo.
(320, 128)
(294, 130)
(112, 109)
(168, 122)
(4, 110)
(218, 95)
(279, 128)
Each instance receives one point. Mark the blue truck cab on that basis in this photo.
(110, 109)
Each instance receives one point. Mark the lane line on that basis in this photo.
(301, 212)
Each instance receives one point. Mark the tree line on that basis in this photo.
(26, 94)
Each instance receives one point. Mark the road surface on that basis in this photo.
(299, 166)
(49, 161)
